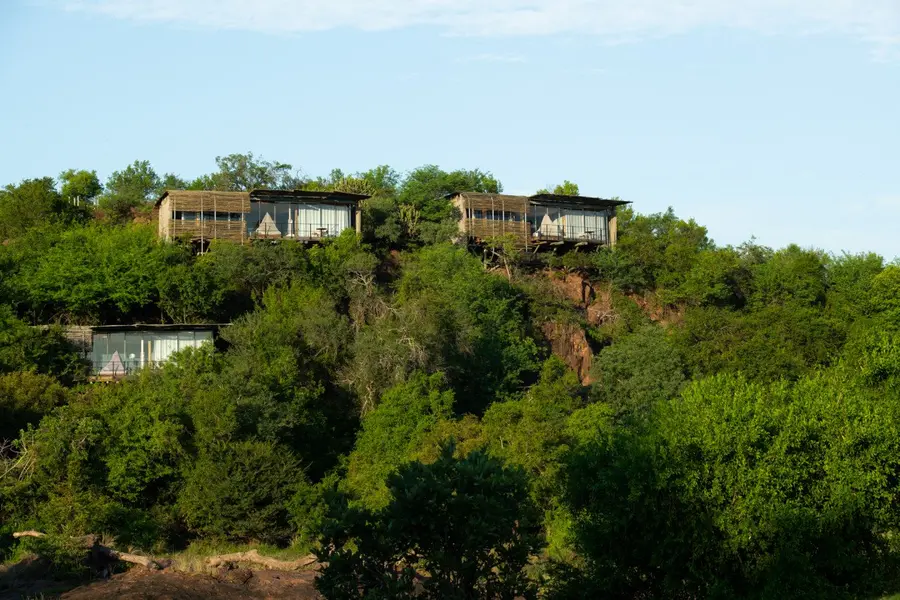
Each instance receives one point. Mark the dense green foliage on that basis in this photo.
(467, 523)
(667, 418)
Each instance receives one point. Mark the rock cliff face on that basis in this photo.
(595, 303)
(568, 342)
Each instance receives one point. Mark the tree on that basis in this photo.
(566, 188)
(850, 279)
(245, 172)
(534, 433)
(126, 190)
(96, 273)
(80, 186)
(486, 532)
(885, 295)
(393, 433)
(278, 376)
(35, 203)
(241, 491)
(719, 277)
(791, 275)
(426, 188)
(765, 344)
(637, 372)
(779, 491)
(40, 350)
(663, 246)
(25, 397)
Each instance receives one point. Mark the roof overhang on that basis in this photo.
(553, 199)
(280, 195)
(158, 327)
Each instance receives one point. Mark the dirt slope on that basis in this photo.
(236, 584)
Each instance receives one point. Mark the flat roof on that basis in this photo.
(579, 200)
(159, 327)
(549, 199)
(276, 195)
(310, 194)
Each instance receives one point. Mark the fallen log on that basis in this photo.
(90, 543)
(256, 558)
(144, 561)
(34, 534)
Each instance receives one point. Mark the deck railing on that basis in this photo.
(570, 233)
(118, 370)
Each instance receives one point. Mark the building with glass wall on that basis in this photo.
(116, 351)
(298, 215)
(539, 220)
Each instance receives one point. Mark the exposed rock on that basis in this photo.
(568, 342)
(576, 288)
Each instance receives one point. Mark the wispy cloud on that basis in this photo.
(494, 58)
(876, 21)
(888, 204)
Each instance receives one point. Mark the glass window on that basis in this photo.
(116, 343)
(186, 215)
(100, 350)
(163, 345)
(185, 340)
(479, 214)
(106, 346)
(133, 341)
(261, 221)
(282, 217)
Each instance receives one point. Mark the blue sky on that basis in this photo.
(778, 119)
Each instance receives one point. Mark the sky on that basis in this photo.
(773, 119)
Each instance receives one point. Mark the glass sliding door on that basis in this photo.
(308, 221)
(321, 220)
(335, 219)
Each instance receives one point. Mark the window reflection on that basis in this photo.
(115, 354)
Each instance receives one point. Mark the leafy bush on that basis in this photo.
(241, 492)
(466, 523)
(25, 397)
(778, 491)
(637, 372)
(393, 433)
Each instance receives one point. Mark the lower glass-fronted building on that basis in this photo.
(116, 351)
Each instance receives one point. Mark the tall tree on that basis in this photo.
(32, 203)
(477, 548)
(244, 172)
(137, 181)
(126, 190)
(426, 189)
(80, 186)
(566, 188)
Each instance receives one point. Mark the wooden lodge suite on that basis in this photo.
(305, 216)
(538, 220)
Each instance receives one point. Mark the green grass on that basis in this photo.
(193, 558)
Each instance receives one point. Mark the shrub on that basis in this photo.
(468, 523)
(240, 491)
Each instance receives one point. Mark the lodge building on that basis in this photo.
(202, 216)
(539, 220)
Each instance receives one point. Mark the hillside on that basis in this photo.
(665, 418)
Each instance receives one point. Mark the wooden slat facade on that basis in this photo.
(502, 214)
(210, 230)
(231, 203)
